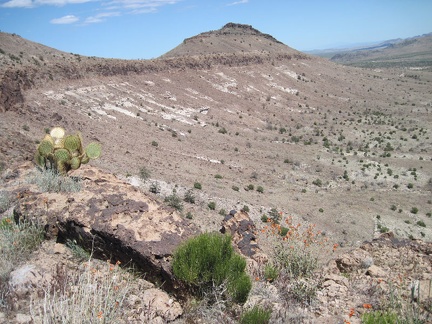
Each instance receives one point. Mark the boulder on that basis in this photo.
(110, 217)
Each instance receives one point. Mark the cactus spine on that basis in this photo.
(64, 153)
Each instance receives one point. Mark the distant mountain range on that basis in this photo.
(414, 51)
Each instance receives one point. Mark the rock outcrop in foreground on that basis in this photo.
(109, 217)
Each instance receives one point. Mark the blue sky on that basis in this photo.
(144, 29)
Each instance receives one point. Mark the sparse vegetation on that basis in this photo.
(211, 205)
(208, 260)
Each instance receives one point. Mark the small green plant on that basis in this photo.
(209, 260)
(222, 212)
(189, 215)
(393, 207)
(174, 201)
(197, 185)
(414, 210)
(275, 215)
(260, 189)
(189, 197)
(222, 130)
(270, 272)
(155, 187)
(235, 188)
(317, 182)
(410, 186)
(245, 209)
(321, 210)
(379, 317)
(78, 252)
(211, 205)
(144, 174)
(249, 187)
(154, 143)
(218, 176)
(264, 218)
(256, 315)
(421, 223)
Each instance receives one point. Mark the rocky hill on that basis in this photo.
(231, 38)
(241, 121)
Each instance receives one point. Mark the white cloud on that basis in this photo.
(237, 2)
(69, 19)
(36, 3)
(18, 4)
(100, 17)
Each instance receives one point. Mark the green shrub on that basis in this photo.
(174, 201)
(317, 182)
(260, 189)
(222, 130)
(421, 223)
(189, 197)
(245, 209)
(154, 143)
(379, 317)
(209, 259)
(256, 315)
(222, 212)
(218, 176)
(275, 215)
(270, 272)
(189, 215)
(249, 187)
(211, 205)
(235, 188)
(197, 185)
(264, 218)
(414, 210)
(144, 174)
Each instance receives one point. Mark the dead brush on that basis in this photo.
(296, 252)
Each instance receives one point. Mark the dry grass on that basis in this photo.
(17, 242)
(97, 294)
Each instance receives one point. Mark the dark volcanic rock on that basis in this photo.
(112, 218)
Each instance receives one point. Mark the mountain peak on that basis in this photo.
(231, 38)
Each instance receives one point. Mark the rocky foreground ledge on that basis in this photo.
(118, 222)
(107, 216)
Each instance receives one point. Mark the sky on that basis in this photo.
(145, 29)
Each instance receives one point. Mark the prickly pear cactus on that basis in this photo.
(62, 153)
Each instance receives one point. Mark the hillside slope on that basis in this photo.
(328, 144)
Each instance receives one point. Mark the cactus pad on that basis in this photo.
(45, 148)
(75, 163)
(39, 159)
(85, 159)
(72, 143)
(93, 150)
(62, 155)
